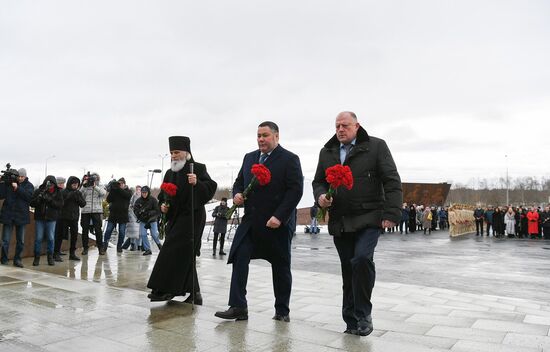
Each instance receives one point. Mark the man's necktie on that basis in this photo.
(263, 157)
(347, 149)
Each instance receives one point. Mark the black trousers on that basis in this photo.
(479, 226)
(222, 241)
(62, 228)
(85, 223)
(280, 270)
(356, 252)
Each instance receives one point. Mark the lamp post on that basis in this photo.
(507, 183)
(153, 172)
(162, 162)
(46, 165)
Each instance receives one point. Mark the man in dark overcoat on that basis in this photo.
(174, 273)
(357, 216)
(265, 231)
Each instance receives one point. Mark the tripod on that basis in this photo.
(235, 221)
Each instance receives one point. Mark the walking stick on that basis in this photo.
(193, 269)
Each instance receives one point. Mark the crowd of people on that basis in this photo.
(514, 222)
(60, 203)
(422, 218)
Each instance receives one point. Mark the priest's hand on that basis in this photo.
(192, 178)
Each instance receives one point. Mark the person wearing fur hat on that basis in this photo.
(47, 202)
(174, 273)
(92, 212)
(146, 209)
(67, 223)
(15, 213)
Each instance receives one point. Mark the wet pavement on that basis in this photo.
(433, 293)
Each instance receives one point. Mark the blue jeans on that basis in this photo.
(6, 237)
(143, 234)
(109, 231)
(47, 228)
(313, 227)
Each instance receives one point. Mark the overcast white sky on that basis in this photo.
(452, 86)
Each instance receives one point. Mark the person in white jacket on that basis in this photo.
(93, 211)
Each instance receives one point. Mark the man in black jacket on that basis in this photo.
(15, 213)
(147, 211)
(67, 223)
(357, 215)
(119, 202)
(479, 215)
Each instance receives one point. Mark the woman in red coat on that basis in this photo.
(533, 222)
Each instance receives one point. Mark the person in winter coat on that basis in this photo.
(412, 218)
(314, 225)
(545, 222)
(119, 203)
(510, 222)
(489, 219)
(442, 216)
(517, 217)
(357, 216)
(15, 213)
(67, 223)
(498, 223)
(220, 225)
(479, 215)
(533, 222)
(132, 240)
(419, 214)
(427, 220)
(47, 201)
(92, 213)
(174, 273)
(404, 219)
(147, 211)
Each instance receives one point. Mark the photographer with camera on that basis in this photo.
(147, 212)
(16, 190)
(92, 212)
(47, 202)
(119, 202)
(68, 219)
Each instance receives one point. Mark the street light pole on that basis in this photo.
(46, 165)
(507, 183)
(162, 162)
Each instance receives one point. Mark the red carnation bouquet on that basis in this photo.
(170, 191)
(260, 175)
(336, 176)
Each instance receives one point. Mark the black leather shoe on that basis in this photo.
(147, 252)
(349, 331)
(222, 253)
(198, 299)
(233, 313)
(84, 251)
(159, 297)
(364, 327)
(280, 317)
(17, 263)
(57, 257)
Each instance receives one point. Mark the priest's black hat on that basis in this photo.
(180, 143)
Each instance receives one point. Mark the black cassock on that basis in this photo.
(173, 269)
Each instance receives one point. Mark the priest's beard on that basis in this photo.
(177, 165)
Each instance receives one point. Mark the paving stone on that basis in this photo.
(506, 326)
(467, 334)
(527, 340)
(474, 346)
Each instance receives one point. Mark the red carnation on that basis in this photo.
(261, 175)
(169, 188)
(336, 176)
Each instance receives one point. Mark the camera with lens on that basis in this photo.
(89, 180)
(9, 175)
(113, 184)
